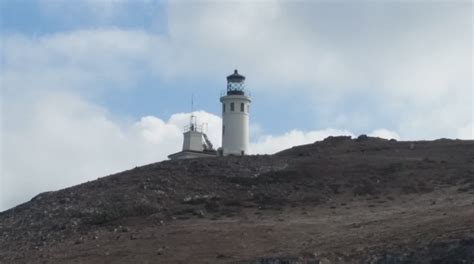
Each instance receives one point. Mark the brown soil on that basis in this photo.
(337, 201)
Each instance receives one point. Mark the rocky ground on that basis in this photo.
(341, 200)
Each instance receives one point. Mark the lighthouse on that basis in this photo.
(235, 116)
(235, 125)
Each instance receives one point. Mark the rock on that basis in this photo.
(324, 261)
(160, 251)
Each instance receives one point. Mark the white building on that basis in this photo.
(235, 125)
(235, 116)
(195, 143)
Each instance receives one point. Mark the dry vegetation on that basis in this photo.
(366, 200)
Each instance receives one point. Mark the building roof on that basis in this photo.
(196, 154)
(235, 77)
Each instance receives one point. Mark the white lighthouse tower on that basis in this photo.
(235, 116)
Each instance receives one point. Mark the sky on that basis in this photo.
(94, 87)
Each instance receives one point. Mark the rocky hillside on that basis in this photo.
(341, 200)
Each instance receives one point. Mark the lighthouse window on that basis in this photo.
(223, 108)
(242, 107)
(232, 107)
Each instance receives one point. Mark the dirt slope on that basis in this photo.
(366, 200)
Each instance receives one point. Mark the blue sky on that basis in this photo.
(38, 19)
(105, 85)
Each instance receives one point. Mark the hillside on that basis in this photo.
(341, 200)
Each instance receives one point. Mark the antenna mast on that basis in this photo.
(193, 121)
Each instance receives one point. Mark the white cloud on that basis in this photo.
(384, 133)
(466, 132)
(287, 52)
(86, 61)
(269, 144)
(414, 60)
(414, 63)
(59, 140)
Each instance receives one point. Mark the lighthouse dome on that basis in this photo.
(235, 77)
(235, 84)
